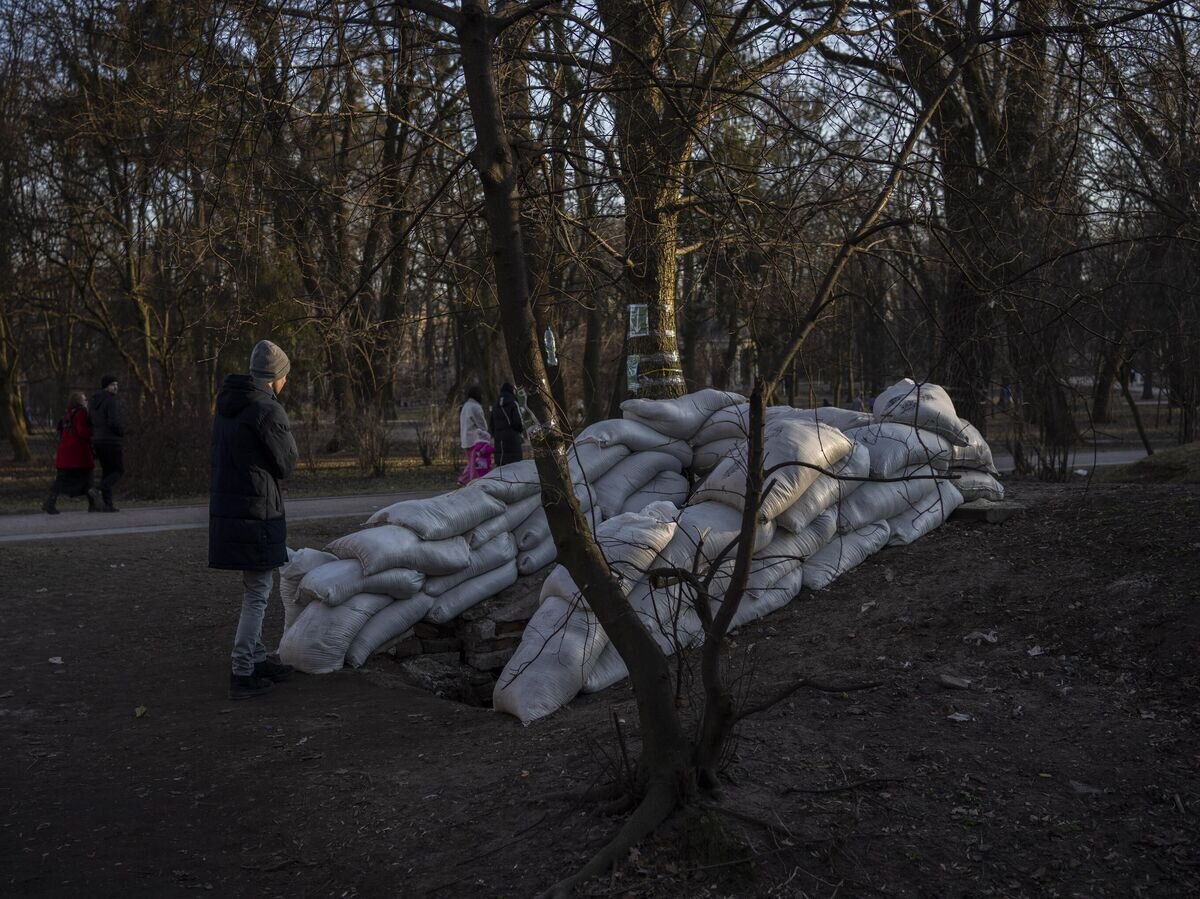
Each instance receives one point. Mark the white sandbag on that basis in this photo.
(588, 462)
(561, 644)
(681, 417)
(335, 582)
(439, 517)
(929, 513)
(491, 555)
(300, 562)
(719, 525)
(638, 437)
(559, 583)
(317, 641)
(810, 540)
(668, 614)
(827, 490)
(386, 625)
(925, 406)
(628, 476)
(972, 485)
(512, 482)
(529, 561)
(668, 486)
(787, 440)
(881, 500)
(505, 522)
(392, 546)
(631, 542)
(764, 600)
(977, 454)
(894, 447)
(708, 455)
(842, 419)
(471, 592)
(844, 553)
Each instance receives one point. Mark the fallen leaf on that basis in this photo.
(139, 712)
(55, 660)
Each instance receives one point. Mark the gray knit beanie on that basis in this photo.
(269, 362)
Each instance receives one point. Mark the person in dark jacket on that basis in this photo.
(108, 436)
(252, 449)
(507, 427)
(73, 457)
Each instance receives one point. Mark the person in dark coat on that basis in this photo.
(252, 449)
(507, 427)
(108, 437)
(73, 457)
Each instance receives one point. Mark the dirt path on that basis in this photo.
(76, 523)
(1070, 767)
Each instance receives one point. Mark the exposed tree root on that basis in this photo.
(618, 806)
(601, 793)
(658, 803)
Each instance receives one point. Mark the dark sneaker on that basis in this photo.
(247, 686)
(272, 670)
(50, 507)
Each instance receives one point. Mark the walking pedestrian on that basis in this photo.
(252, 450)
(474, 436)
(73, 457)
(108, 437)
(507, 427)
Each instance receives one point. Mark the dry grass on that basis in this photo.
(1176, 465)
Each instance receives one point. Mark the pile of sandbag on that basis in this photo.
(841, 486)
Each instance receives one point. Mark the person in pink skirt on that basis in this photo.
(474, 436)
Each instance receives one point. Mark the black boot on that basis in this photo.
(50, 504)
(247, 686)
(106, 495)
(272, 670)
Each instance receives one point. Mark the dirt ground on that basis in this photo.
(1070, 767)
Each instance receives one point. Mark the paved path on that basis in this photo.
(1085, 457)
(74, 522)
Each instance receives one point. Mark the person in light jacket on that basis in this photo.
(252, 450)
(474, 436)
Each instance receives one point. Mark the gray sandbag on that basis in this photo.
(512, 482)
(388, 624)
(317, 641)
(667, 486)
(496, 552)
(628, 476)
(392, 546)
(977, 454)
(537, 558)
(894, 447)
(844, 553)
(681, 417)
(588, 462)
(438, 517)
(881, 500)
(709, 455)
(560, 645)
(925, 406)
(533, 530)
(505, 522)
(635, 435)
(300, 562)
(928, 514)
(827, 490)
(972, 485)
(335, 582)
(458, 599)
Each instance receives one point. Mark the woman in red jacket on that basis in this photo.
(73, 459)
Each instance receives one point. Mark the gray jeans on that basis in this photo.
(248, 647)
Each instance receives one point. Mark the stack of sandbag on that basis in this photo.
(563, 641)
(977, 476)
(648, 467)
(685, 417)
